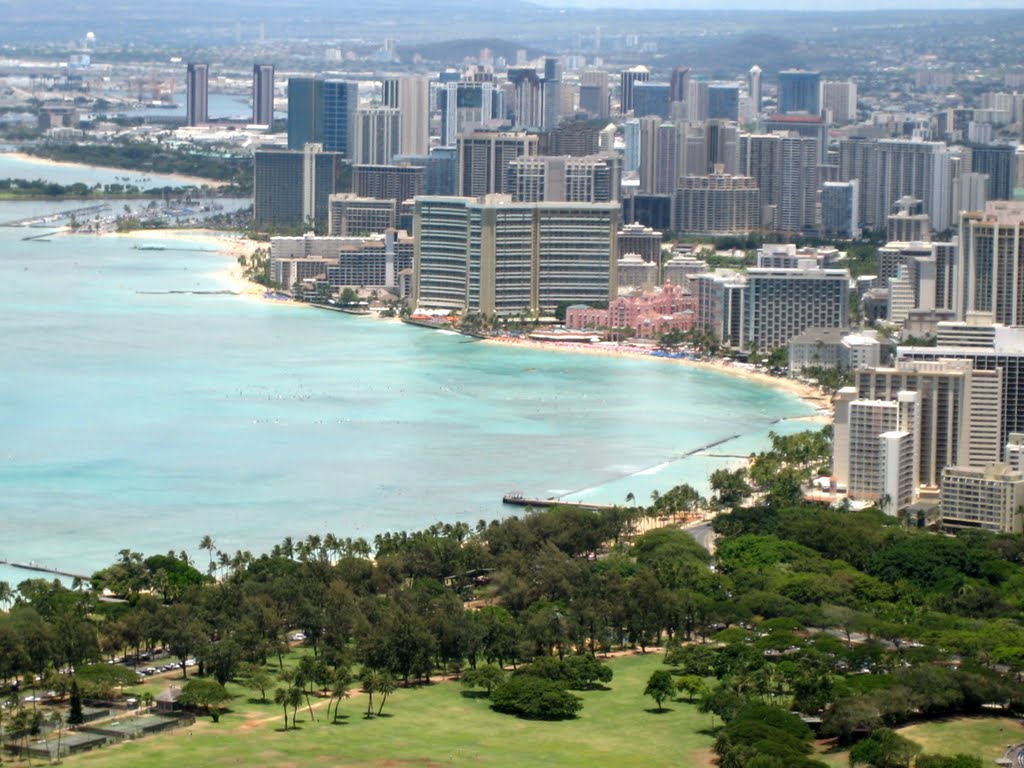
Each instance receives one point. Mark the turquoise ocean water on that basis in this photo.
(145, 420)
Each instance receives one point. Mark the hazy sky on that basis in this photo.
(789, 5)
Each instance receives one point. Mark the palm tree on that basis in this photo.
(340, 686)
(385, 686)
(6, 595)
(281, 697)
(631, 499)
(370, 682)
(207, 543)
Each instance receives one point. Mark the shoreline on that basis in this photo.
(805, 392)
(190, 181)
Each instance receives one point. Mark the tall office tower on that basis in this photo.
(960, 410)
(378, 135)
(839, 101)
(988, 348)
(573, 137)
(781, 303)
(786, 169)
(697, 100)
(754, 88)
(717, 205)
(263, 94)
(877, 448)
(496, 257)
(840, 215)
(527, 105)
(1000, 163)
(990, 271)
(723, 101)
(677, 83)
(197, 90)
(552, 89)
(627, 78)
(595, 98)
(388, 182)
(535, 179)
(651, 99)
(322, 111)
(410, 95)
(291, 188)
(799, 91)
(468, 106)
(350, 215)
(484, 157)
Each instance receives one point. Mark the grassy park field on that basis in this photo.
(437, 724)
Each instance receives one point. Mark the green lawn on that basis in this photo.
(984, 737)
(437, 724)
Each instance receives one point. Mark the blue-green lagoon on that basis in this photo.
(146, 420)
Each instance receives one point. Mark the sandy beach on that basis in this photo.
(191, 181)
(810, 394)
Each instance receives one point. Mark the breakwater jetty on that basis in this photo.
(31, 566)
(519, 500)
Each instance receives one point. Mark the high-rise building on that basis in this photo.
(322, 111)
(988, 348)
(960, 411)
(920, 169)
(539, 178)
(718, 204)
(552, 89)
(410, 95)
(263, 94)
(839, 101)
(723, 101)
(496, 257)
(484, 157)
(651, 99)
(627, 78)
(989, 498)
(579, 138)
(643, 241)
(1000, 164)
(697, 100)
(721, 306)
(840, 212)
(377, 135)
(786, 169)
(292, 188)
(527, 105)
(781, 303)
(879, 443)
(799, 91)
(754, 89)
(677, 84)
(349, 215)
(595, 97)
(990, 270)
(399, 182)
(197, 91)
(468, 106)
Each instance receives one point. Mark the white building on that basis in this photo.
(991, 498)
